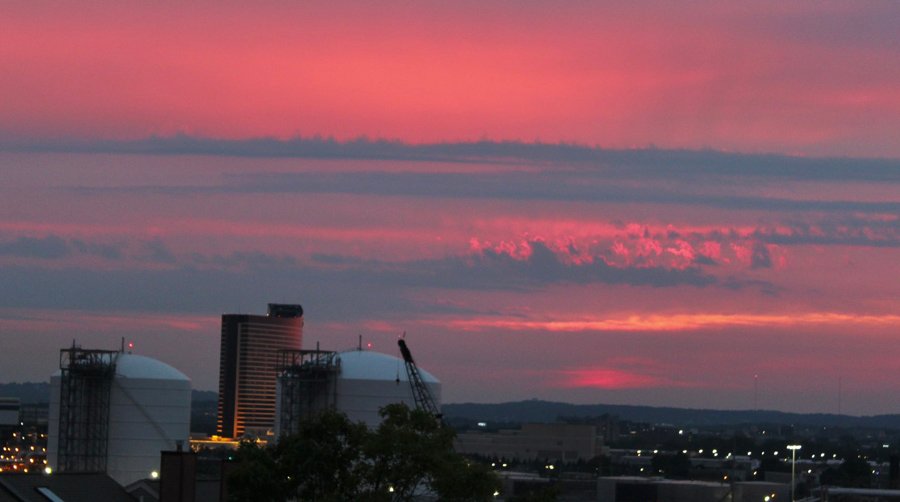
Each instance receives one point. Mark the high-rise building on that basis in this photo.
(249, 354)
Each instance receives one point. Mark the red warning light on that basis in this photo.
(369, 345)
(130, 345)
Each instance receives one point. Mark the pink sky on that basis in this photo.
(663, 276)
(807, 79)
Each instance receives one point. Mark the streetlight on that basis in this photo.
(793, 448)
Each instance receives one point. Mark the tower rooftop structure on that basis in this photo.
(285, 310)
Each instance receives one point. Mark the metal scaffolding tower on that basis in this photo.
(308, 385)
(85, 384)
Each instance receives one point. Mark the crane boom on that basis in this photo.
(421, 394)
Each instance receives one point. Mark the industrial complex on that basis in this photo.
(128, 416)
(119, 427)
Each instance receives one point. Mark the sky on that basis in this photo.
(692, 204)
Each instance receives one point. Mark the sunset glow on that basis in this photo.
(632, 203)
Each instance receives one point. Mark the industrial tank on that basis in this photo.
(368, 381)
(147, 409)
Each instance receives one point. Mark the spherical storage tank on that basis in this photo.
(149, 411)
(368, 381)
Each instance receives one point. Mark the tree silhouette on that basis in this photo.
(323, 461)
(331, 458)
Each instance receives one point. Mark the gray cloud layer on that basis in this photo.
(343, 288)
(647, 162)
(547, 185)
(526, 171)
(348, 288)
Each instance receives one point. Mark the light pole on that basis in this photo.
(793, 448)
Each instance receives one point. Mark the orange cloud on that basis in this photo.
(60, 320)
(678, 322)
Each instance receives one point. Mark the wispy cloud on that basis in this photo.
(53, 247)
(524, 171)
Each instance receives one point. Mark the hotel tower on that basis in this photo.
(250, 345)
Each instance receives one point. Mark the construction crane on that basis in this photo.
(421, 394)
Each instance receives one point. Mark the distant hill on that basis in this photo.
(39, 392)
(546, 411)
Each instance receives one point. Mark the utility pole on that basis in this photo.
(793, 448)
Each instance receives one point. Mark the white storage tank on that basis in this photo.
(368, 381)
(149, 411)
